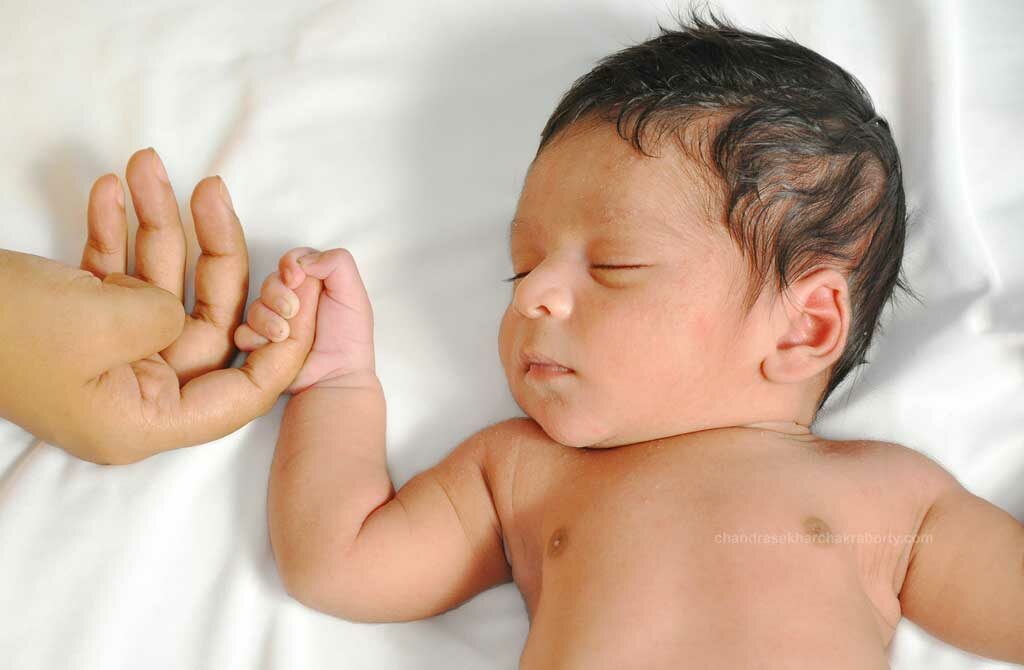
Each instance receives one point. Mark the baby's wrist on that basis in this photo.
(358, 379)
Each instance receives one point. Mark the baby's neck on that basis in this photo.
(784, 427)
(783, 430)
(774, 432)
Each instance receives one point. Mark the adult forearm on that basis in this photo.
(48, 315)
(329, 474)
(24, 290)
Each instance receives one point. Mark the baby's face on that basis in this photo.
(655, 350)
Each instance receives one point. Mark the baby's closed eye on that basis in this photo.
(520, 275)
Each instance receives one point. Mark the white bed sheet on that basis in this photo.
(402, 131)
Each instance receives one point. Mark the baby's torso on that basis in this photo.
(713, 551)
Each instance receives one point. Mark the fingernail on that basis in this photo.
(284, 307)
(225, 195)
(161, 171)
(309, 259)
(118, 192)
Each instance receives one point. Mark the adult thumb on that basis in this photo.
(221, 401)
(133, 320)
(65, 318)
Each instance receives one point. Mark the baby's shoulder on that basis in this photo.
(515, 455)
(509, 443)
(892, 454)
(888, 461)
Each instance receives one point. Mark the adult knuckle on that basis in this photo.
(212, 315)
(99, 247)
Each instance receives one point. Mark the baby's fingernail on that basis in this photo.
(284, 307)
(309, 259)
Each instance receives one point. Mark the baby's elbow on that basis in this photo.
(312, 584)
(304, 586)
(319, 591)
(300, 586)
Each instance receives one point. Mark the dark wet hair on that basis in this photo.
(807, 171)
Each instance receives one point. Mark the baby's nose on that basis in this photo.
(551, 301)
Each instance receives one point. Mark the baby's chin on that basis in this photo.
(566, 424)
(588, 434)
(574, 433)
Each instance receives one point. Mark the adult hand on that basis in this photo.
(109, 366)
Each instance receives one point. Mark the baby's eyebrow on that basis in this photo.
(654, 232)
(515, 229)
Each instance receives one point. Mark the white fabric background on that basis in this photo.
(402, 130)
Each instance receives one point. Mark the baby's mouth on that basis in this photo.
(537, 363)
(552, 369)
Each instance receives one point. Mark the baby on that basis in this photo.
(677, 319)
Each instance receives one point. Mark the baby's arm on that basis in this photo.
(344, 541)
(965, 580)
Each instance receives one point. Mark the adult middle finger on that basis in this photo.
(160, 249)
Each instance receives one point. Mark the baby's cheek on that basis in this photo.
(689, 327)
(701, 325)
(505, 339)
(703, 337)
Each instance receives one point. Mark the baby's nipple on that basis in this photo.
(818, 530)
(559, 540)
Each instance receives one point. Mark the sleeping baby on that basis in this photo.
(702, 249)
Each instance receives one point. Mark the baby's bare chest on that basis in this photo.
(771, 544)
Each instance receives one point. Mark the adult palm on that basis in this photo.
(108, 365)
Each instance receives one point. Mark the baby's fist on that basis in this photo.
(267, 317)
(343, 344)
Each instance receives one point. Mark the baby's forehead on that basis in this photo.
(636, 223)
(596, 179)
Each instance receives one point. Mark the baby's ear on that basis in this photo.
(809, 325)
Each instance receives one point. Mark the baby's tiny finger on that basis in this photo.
(276, 295)
(291, 272)
(265, 322)
(247, 339)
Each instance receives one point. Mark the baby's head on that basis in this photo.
(751, 202)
